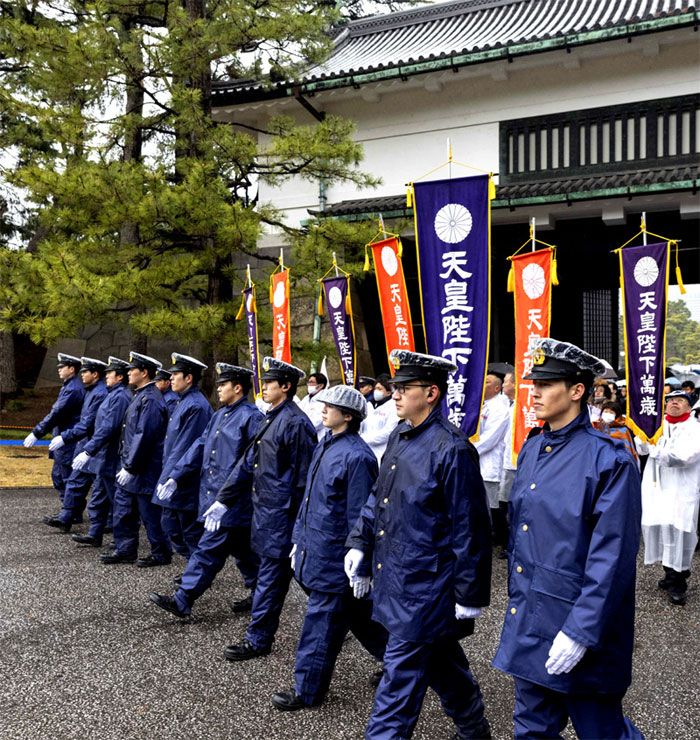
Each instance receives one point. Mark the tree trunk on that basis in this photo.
(8, 382)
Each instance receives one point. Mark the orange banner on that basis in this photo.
(279, 299)
(533, 312)
(393, 298)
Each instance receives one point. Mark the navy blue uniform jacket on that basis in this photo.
(342, 473)
(187, 422)
(273, 472)
(212, 457)
(83, 430)
(427, 528)
(141, 445)
(575, 525)
(64, 414)
(103, 446)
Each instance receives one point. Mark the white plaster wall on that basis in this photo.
(403, 126)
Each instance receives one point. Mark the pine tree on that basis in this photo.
(140, 205)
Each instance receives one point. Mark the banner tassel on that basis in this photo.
(241, 310)
(679, 277)
(399, 248)
(365, 268)
(409, 196)
(554, 273)
(492, 187)
(510, 287)
(319, 307)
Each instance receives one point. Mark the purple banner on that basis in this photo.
(336, 290)
(644, 273)
(251, 321)
(452, 228)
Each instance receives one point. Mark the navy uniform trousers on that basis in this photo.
(60, 473)
(210, 557)
(543, 713)
(329, 617)
(274, 575)
(409, 669)
(77, 487)
(100, 505)
(129, 510)
(183, 529)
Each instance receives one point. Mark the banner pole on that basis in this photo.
(449, 158)
(533, 227)
(643, 227)
(335, 264)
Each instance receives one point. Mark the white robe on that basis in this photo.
(671, 495)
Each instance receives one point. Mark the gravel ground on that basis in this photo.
(83, 654)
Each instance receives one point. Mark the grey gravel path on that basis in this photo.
(83, 654)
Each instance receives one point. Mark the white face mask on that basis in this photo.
(379, 395)
(312, 389)
(608, 417)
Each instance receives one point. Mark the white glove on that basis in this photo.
(360, 586)
(80, 461)
(29, 440)
(56, 443)
(124, 477)
(353, 558)
(564, 654)
(293, 557)
(654, 451)
(165, 491)
(467, 612)
(213, 516)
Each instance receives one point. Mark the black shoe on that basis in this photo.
(502, 553)
(114, 558)
(108, 530)
(376, 677)
(288, 701)
(54, 521)
(677, 599)
(242, 605)
(169, 604)
(150, 561)
(665, 583)
(244, 650)
(87, 540)
(177, 580)
(77, 520)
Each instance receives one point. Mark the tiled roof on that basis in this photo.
(411, 41)
(546, 191)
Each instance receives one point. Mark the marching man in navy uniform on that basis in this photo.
(64, 414)
(141, 460)
(341, 475)
(273, 469)
(180, 498)
(79, 481)
(227, 436)
(575, 512)
(100, 454)
(426, 530)
(163, 379)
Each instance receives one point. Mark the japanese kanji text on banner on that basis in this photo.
(279, 298)
(644, 280)
(393, 298)
(452, 220)
(337, 294)
(533, 305)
